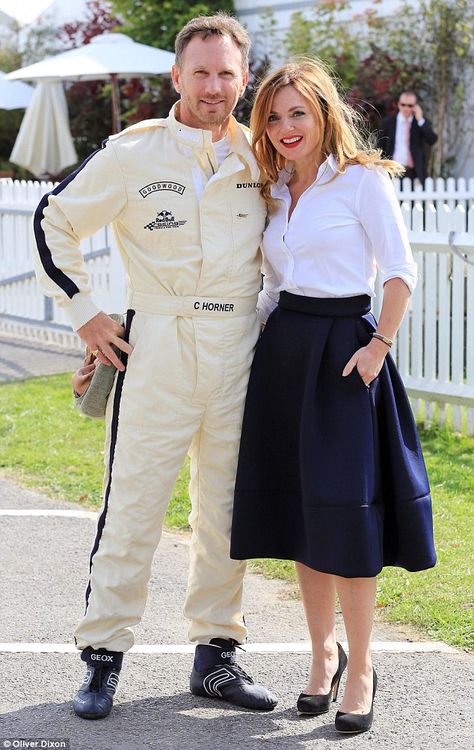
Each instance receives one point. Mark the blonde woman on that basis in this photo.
(331, 473)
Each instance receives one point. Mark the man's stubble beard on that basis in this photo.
(217, 118)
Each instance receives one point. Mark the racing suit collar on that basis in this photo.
(202, 139)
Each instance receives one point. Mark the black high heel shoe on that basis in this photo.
(356, 723)
(314, 705)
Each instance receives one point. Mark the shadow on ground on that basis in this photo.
(170, 722)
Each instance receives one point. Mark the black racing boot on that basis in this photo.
(95, 697)
(216, 674)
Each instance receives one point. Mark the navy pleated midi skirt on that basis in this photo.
(330, 472)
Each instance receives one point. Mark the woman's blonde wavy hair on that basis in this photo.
(340, 126)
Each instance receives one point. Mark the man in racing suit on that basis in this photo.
(183, 195)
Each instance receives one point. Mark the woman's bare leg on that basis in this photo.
(357, 600)
(318, 591)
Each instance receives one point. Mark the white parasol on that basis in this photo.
(107, 56)
(44, 143)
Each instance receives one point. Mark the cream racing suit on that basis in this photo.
(189, 235)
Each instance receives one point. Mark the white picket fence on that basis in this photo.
(434, 348)
(24, 310)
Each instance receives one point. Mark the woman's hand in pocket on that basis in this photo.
(368, 360)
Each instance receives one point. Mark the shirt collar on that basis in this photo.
(328, 169)
(239, 137)
(402, 120)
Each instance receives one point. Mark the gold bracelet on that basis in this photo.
(383, 338)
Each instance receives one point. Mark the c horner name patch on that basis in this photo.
(214, 306)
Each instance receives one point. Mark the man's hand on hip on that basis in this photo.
(101, 334)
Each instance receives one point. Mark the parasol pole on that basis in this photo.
(115, 103)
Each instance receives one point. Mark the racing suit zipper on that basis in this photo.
(211, 164)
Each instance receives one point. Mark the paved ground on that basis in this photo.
(26, 359)
(425, 698)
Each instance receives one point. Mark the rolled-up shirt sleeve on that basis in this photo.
(379, 213)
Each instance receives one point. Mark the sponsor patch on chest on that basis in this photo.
(164, 220)
(158, 187)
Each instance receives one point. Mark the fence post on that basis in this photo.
(458, 223)
(429, 337)
(470, 325)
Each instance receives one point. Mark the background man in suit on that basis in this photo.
(407, 136)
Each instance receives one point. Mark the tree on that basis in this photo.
(157, 23)
(10, 57)
(326, 34)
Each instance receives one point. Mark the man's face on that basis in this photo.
(406, 104)
(210, 81)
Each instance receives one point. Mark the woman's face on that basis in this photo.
(292, 126)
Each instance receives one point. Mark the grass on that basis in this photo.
(441, 601)
(46, 444)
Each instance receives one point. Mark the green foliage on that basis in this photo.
(42, 437)
(324, 33)
(10, 58)
(157, 24)
(10, 121)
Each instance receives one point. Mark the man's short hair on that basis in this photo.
(407, 93)
(219, 24)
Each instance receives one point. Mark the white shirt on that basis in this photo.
(340, 231)
(400, 152)
(222, 149)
